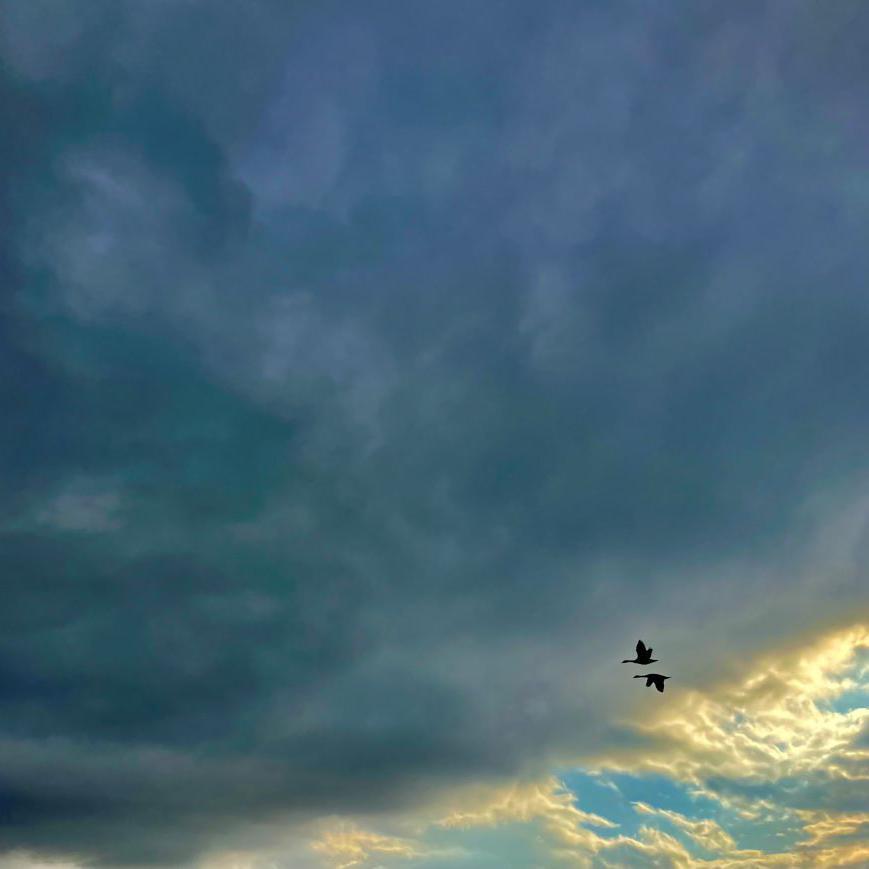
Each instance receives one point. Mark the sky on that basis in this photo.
(374, 375)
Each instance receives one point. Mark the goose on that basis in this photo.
(644, 655)
(655, 679)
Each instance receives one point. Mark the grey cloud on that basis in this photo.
(83, 505)
(423, 372)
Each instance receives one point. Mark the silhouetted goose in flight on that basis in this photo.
(644, 655)
(655, 679)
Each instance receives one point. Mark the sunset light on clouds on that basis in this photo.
(768, 772)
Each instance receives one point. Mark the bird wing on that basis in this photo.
(659, 684)
(641, 648)
(649, 680)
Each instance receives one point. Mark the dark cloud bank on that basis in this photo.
(364, 368)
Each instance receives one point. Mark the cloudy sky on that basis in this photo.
(374, 375)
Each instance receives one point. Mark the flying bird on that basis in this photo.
(655, 679)
(644, 655)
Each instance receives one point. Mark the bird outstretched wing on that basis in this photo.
(641, 648)
(657, 680)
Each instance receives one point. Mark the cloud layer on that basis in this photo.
(373, 378)
(767, 772)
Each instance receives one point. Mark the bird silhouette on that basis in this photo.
(644, 655)
(655, 679)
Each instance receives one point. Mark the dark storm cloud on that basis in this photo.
(356, 361)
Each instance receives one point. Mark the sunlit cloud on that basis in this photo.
(525, 802)
(774, 724)
(822, 826)
(705, 832)
(742, 754)
(349, 846)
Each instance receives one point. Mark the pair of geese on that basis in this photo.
(644, 657)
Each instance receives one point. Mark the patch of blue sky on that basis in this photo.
(772, 830)
(767, 833)
(848, 701)
(858, 696)
(613, 796)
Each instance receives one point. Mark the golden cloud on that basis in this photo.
(348, 846)
(778, 722)
(705, 832)
(773, 724)
(821, 826)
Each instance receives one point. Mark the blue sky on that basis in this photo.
(375, 375)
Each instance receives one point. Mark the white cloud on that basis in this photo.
(22, 860)
(83, 505)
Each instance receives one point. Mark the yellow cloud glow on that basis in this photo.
(772, 725)
(782, 721)
(705, 832)
(779, 722)
(821, 826)
(349, 846)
